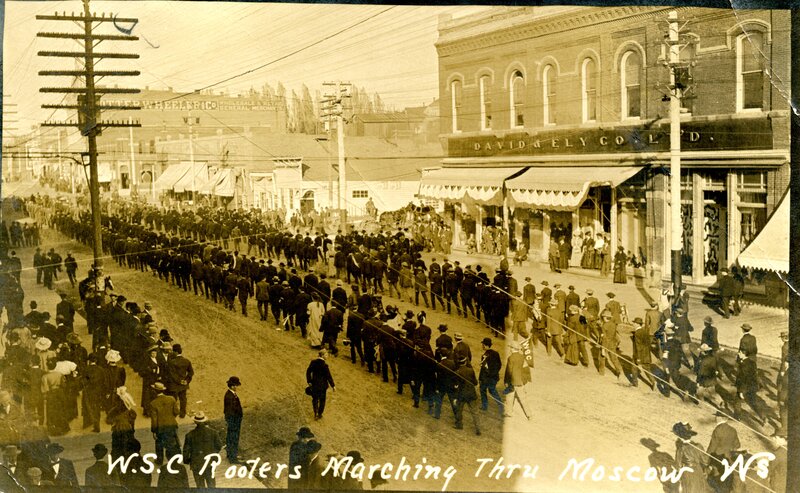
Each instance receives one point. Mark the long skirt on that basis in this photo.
(57, 420)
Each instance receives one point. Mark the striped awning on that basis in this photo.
(770, 249)
(563, 187)
(482, 185)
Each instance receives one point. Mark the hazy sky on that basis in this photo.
(188, 45)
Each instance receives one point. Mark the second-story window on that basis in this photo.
(455, 100)
(486, 102)
(549, 95)
(630, 78)
(589, 90)
(750, 71)
(517, 99)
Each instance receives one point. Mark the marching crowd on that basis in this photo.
(300, 282)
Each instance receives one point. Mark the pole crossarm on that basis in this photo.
(98, 106)
(81, 54)
(84, 73)
(84, 18)
(99, 124)
(97, 37)
(98, 90)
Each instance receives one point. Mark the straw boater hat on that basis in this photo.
(457, 336)
(43, 344)
(574, 309)
(160, 387)
(705, 347)
(747, 327)
(200, 417)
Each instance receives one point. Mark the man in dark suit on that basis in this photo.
(179, 375)
(97, 474)
(318, 376)
(233, 419)
(465, 383)
(724, 443)
(163, 410)
(17, 463)
(747, 385)
(726, 291)
(489, 375)
(591, 304)
(61, 472)
(199, 443)
(747, 344)
(642, 357)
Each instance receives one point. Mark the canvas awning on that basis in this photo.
(563, 187)
(221, 183)
(171, 175)
(770, 249)
(193, 179)
(483, 185)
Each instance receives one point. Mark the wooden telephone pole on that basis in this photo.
(88, 97)
(333, 104)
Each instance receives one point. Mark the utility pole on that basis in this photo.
(191, 121)
(133, 160)
(88, 105)
(793, 401)
(679, 78)
(333, 102)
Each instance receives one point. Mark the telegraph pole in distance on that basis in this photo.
(88, 106)
(335, 99)
(679, 80)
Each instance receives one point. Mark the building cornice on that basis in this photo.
(538, 27)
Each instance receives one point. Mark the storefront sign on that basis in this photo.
(185, 105)
(749, 134)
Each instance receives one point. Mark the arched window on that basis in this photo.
(455, 104)
(750, 71)
(517, 99)
(630, 82)
(549, 94)
(589, 90)
(485, 83)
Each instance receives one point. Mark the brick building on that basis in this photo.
(555, 123)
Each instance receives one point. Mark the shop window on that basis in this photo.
(360, 194)
(486, 102)
(589, 90)
(517, 99)
(753, 181)
(549, 95)
(630, 79)
(455, 103)
(750, 71)
(751, 222)
(714, 180)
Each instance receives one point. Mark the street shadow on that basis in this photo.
(659, 459)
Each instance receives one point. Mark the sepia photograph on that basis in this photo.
(353, 247)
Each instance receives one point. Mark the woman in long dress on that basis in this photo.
(53, 392)
(315, 312)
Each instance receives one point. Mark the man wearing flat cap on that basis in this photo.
(200, 442)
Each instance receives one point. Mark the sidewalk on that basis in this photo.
(767, 322)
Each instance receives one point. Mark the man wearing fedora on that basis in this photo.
(489, 375)
(748, 344)
(318, 377)
(61, 472)
(747, 385)
(689, 454)
(709, 335)
(163, 410)
(465, 394)
(178, 376)
(200, 442)
(301, 452)
(706, 372)
(233, 419)
(516, 378)
(97, 475)
(726, 291)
